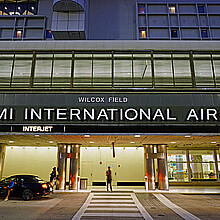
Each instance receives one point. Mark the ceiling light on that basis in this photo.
(187, 136)
(132, 142)
(213, 142)
(11, 141)
(51, 142)
(91, 142)
(173, 142)
(36, 135)
(137, 135)
(87, 136)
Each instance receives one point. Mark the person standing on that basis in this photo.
(53, 176)
(109, 178)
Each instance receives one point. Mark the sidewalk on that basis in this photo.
(173, 189)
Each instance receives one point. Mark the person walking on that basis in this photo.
(109, 178)
(10, 188)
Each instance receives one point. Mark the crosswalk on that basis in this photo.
(120, 205)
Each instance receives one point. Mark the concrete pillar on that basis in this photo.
(2, 158)
(148, 152)
(62, 154)
(162, 167)
(74, 166)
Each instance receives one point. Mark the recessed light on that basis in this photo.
(51, 142)
(213, 142)
(187, 136)
(91, 142)
(132, 142)
(11, 141)
(36, 135)
(87, 136)
(137, 135)
(173, 142)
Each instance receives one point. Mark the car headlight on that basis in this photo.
(45, 186)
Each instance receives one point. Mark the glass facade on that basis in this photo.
(18, 7)
(131, 69)
(202, 165)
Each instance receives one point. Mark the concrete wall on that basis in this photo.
(30, 160)
(128, 166)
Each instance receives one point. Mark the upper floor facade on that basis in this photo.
(110, 20)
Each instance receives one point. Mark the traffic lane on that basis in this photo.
(204, 206)
(16, 208)
(155, 208)
(55, 206)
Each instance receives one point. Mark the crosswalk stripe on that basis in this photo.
(106, 214)
(130, 205)
(112, 209)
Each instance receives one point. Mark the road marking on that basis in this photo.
(177, 209)
(112, 205)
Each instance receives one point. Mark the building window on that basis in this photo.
(172, 9)
(204, 33)
(201, 9)
(19, 34)
(141, 9)
(142, 33)
(174, 33)
(25, 7)
(49, 34)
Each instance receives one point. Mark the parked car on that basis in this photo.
(26, 186)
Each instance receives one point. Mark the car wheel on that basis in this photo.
(27, 194)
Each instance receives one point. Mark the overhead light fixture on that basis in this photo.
(11, 141)
(91, 142)
(51, 142)
(187, 136)
(87, 135)
(36, 135)
(213, 142)
(132, 142)
(172, 142)
(137, 135)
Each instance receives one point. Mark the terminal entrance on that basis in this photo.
(184, 159)
(181, 159)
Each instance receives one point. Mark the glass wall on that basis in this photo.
(177, 166)
(110, 69)
(19, 7)
(202, 165)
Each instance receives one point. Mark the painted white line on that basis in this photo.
(80, 212)
(112, 194)
(130, 205)
(178, 210)
(112, 200)
(144, 213)
(112, 214)
(111, 197)
(112, 209)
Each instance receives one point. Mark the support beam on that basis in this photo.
(74, 166)
(149, 149)
(62, 152)
(162, 167)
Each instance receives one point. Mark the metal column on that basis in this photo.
(148, 152)
(62, 153)
(74, 166)
(162, 167)
(188, 166)
(2, 158)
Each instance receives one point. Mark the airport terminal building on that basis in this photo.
(130, 84)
